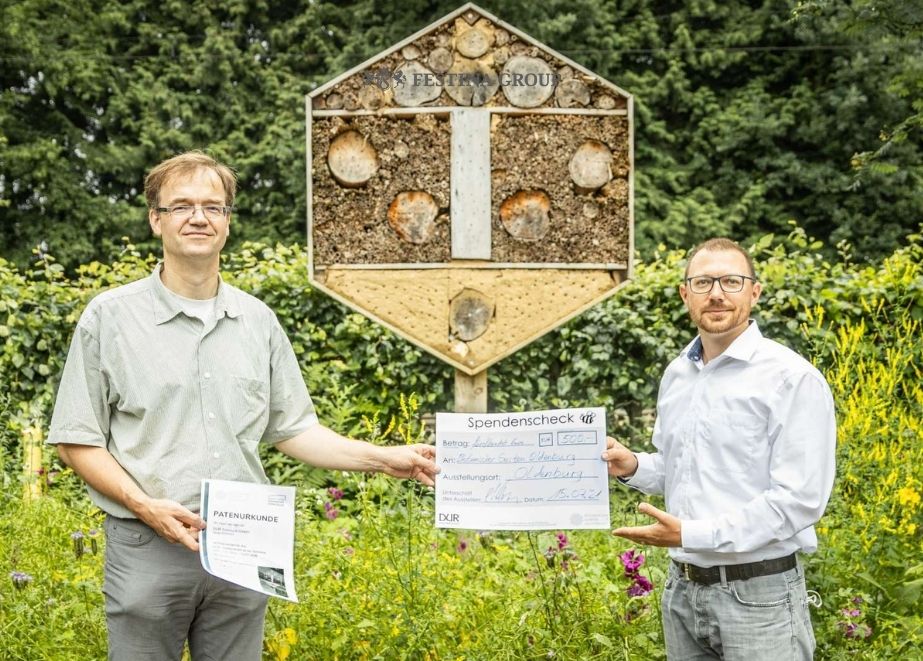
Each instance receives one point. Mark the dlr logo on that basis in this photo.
(448, 518)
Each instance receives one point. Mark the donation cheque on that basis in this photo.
(538, 470)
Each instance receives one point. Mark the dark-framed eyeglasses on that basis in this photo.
(187, 211)
(730, 284)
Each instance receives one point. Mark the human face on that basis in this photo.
(197, 238)
(717, 314)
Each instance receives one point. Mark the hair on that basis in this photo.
(719, 244)
(187, 164)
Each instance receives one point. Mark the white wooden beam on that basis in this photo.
(470, 184)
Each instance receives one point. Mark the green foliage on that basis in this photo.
(896, 24)
(745, 118)
(610, 356)
(376, 578)
(56, 611)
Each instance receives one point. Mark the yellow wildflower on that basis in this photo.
(907, 496)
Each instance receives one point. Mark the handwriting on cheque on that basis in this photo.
(514, 467)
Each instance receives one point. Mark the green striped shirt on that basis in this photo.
(175, 401)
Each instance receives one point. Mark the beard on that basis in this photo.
(717, 324)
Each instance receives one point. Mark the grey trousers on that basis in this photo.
(158, 596)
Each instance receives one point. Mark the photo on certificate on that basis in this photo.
(534, 470)
(249, 537)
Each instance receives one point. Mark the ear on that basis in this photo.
(757, 290)
(153, 217)
(227, 231)
(683, 294)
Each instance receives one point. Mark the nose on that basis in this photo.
(716, 290)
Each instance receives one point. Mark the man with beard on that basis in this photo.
(745, 437)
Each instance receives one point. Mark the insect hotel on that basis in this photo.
(469, 189)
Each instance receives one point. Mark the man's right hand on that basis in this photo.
(621, 461)
(172, 521)
(101, 471)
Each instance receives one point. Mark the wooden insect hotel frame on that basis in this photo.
(470, 189)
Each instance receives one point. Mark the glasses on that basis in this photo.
(730, 284)
(187, 211)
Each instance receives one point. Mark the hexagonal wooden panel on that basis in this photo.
(470, 188)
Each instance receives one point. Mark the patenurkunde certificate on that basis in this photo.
(538, 470)
(249, 536)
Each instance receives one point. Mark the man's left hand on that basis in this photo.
(416, 462)
(665, 532)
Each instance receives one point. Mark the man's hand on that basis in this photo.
(416, 462)
(101, 471)
(324, 448)
(667, 531)
(172, 521)
(622, 461)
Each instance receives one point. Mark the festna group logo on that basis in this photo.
(385, 78)
(588, 417)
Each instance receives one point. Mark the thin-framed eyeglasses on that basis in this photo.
(187, 211)
(730, 284)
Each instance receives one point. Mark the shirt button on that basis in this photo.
(211, 416)
(216, 455)
(207, 375)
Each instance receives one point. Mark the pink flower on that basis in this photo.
(562, 540)
(640, 587)
(334, 493)
(632, 561)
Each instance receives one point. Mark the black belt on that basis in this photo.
(712, 575)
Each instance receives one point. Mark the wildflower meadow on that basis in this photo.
(377, 580)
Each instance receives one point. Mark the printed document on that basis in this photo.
(249, 537)
(538, 470)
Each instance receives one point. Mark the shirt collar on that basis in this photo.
(742, 348)
(166, 306)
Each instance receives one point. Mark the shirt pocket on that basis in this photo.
(731, 441)
(251, 408)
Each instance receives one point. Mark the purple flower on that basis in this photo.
(851, 630)
(334, 493)
(462, 546)
(857, 600)
(76, 535)
(640, 587)
(632, 561)
(20, 579)
(330, 511)
(562, 540)
(851, 612)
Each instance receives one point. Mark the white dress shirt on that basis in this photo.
(745, 451)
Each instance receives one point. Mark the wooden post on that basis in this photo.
(32, 439)
(470, 392)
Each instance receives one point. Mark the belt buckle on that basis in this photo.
(686, 571)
